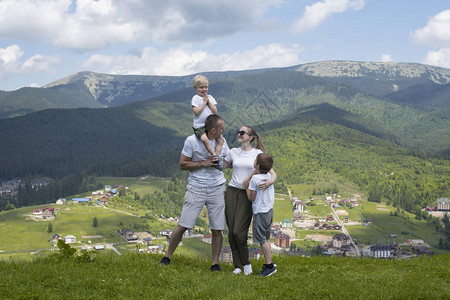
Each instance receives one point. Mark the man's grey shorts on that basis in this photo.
(261, 227)
(197, 197)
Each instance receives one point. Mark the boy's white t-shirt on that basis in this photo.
(243, 165)
(199, 121)
(264, 199)
(203, 177)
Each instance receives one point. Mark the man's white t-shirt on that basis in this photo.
(264, 199)
(203, 177)
(199, 121)
(243, 165)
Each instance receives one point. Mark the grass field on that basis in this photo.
(139, 276)
(142, 185)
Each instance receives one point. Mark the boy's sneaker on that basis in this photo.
(248, 269)
(216, 267)
(219, 165)
(268, 270)
(164, 261)
(237, 271)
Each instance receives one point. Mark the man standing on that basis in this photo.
(205, 187)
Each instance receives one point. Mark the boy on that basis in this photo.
(262, 206)
(204, 105)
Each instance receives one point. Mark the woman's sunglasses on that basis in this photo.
(242, 132)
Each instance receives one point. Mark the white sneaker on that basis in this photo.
(248, 269)
(237, 271)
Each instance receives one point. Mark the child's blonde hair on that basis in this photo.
(199, 79)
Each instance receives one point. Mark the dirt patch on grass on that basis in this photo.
(381, 205)
(319, 238)
(383, 209)
(341, 212)
(92, 236)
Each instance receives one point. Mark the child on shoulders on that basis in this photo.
(204, 105)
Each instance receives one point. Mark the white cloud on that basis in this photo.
(89, 25)
(318, 12)
(183, 61)
(436, 33)
(11, 63)
(440, 58)
(386, 58)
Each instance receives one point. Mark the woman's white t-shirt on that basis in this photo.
(243, 165)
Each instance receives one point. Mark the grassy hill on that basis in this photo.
(140, 276)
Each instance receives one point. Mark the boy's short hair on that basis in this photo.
(265, 162)
(199, 79)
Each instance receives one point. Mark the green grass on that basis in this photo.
(139, 276)
(142, 185)
(282, 208)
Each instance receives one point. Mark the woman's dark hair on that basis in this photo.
(252, 132)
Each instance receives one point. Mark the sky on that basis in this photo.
(45, 40)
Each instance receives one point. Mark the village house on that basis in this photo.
(70, 239)
(380, 251)
(298, 206)
(286, 223)
(254, 253)
(340, 240)
(282, 240)
(48, 213)
(207, 239)
(354, 203)
(61, 201)
(128, 234)
(422, 250)
(443, 204)
(55, 237)
(274, 230)
(37, 212)
(299, 217)
(226, 255)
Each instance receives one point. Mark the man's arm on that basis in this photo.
(187, 164)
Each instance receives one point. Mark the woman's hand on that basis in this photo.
(265, 184)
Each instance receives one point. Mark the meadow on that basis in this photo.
(139, 276)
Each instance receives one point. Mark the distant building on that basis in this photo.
(340, 240)
(226, 255)
(286, 223)
(443, 204)
(380, 251)
(283, 240)
(299, 206)
(70, 239)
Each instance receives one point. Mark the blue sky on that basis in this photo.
(45, 40)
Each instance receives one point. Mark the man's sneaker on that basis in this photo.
(164, 261)
(219, 165)
(216, 267)
(268, 270)
(248, 269)
(237, 271)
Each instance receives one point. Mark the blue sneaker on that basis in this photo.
(268, 270)
(219, 165)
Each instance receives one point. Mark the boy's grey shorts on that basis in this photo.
(197, 197)
(261, 227)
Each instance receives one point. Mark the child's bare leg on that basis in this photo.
(205, 141)
(219, 144)
(267, 252)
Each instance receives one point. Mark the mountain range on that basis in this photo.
(354, 120)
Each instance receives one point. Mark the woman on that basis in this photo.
(238, 209)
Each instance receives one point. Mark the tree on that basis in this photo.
(95, 222)
(50, 227)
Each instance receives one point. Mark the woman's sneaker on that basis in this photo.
(268, 270)
(237, 271)
(248, 269)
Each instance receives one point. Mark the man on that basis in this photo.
(205, 187)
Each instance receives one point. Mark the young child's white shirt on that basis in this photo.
(264, 199)
(199, 121)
